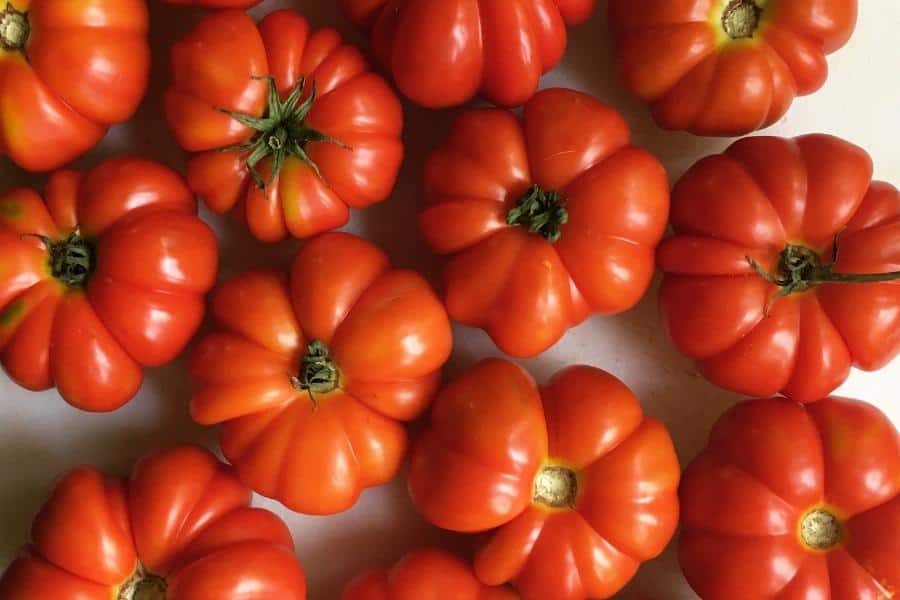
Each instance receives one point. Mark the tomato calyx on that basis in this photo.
(556, 487)
(820, 530)
(741, 19)
(143, 586)
(800, 268)
(281, 133)
(71, 260)
(542, 212)
(318, 372)
(14, 28)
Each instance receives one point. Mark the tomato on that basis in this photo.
(105, 275)
(216, 3)
(427, 573)
(726, 67)
(782, 270)
(287, 127)
(793, 501)
(312, 375)
(578, 486)
(179, 529)
(442, 53)
(70, 70)
(546, 220)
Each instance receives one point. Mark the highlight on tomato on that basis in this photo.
(444, 53)
(313, 375)
(575, 486)
(180, 528)
(726, 67)
(70, 71)
(794, 501)
(545, 220)
(784, 267)
(287, 127)
(103, 276)
(426, 573)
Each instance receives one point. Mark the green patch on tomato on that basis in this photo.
(11, 313)
(10, 209)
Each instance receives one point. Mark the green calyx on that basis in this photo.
(281, 133)
(800, 268)
(143, 586)
(71, 259)
(741, 19)
(318, 372)
(540, 212)
(14, 28)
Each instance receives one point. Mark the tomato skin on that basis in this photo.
(813, 191)
(493, 434)
(768, 463)
(222, 64)
(525, 291)
(152, 262)
(426, 573)
(442, 53)
(387, 335)
(678, 57)
(183, 516)
(70, 82)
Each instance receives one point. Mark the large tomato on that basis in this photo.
(431, 574)
(577, 484)
(104, 275)
(443, 52)
(288, 127)
(791, 501)
(726, 67)
(70, 70)
(547, 219)
(179, 529)
(782, 271)
(313, 374)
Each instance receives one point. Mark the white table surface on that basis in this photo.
(41, 436)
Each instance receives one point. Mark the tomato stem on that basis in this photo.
(14, 28)
(281, 133)
(71, 260)
(556, 487)
(143, 586)
(820, 530)
(741, 19)
(541, 212)
(318, 372)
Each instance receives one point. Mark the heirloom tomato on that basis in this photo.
(287, 126)
(70, 70)
(313, 374)
(783, 269)
(546, 219)
(105, 274)
(179, 529)
(431, 574)
(726, 67)
(578, 486)
(792, 501)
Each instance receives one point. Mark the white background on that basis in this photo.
(41, 436)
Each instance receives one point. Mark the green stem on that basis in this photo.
(71, 260)
(318, 372)
(143, 586)
(540, 212)
(741, 19)
(14, 28)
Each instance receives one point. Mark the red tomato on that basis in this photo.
(577, 484)
(443, 52)
(726, 67)
(313, 374)
(431, 574)
(782, 271)
(288, 127)
(180, 529)
(70, 70)
(547, 219)
(104, 275)
(793, 501)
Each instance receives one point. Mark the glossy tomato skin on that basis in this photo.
(387, 336)
(182, 517)
(442, 53)
(760, 196)
(223, 64)
(769, 463)
(492, 439)
(524, 290)
(427, 573)
(83, 67)
(678, 57)
(151, 262)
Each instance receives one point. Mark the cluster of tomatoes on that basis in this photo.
(781, 274)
